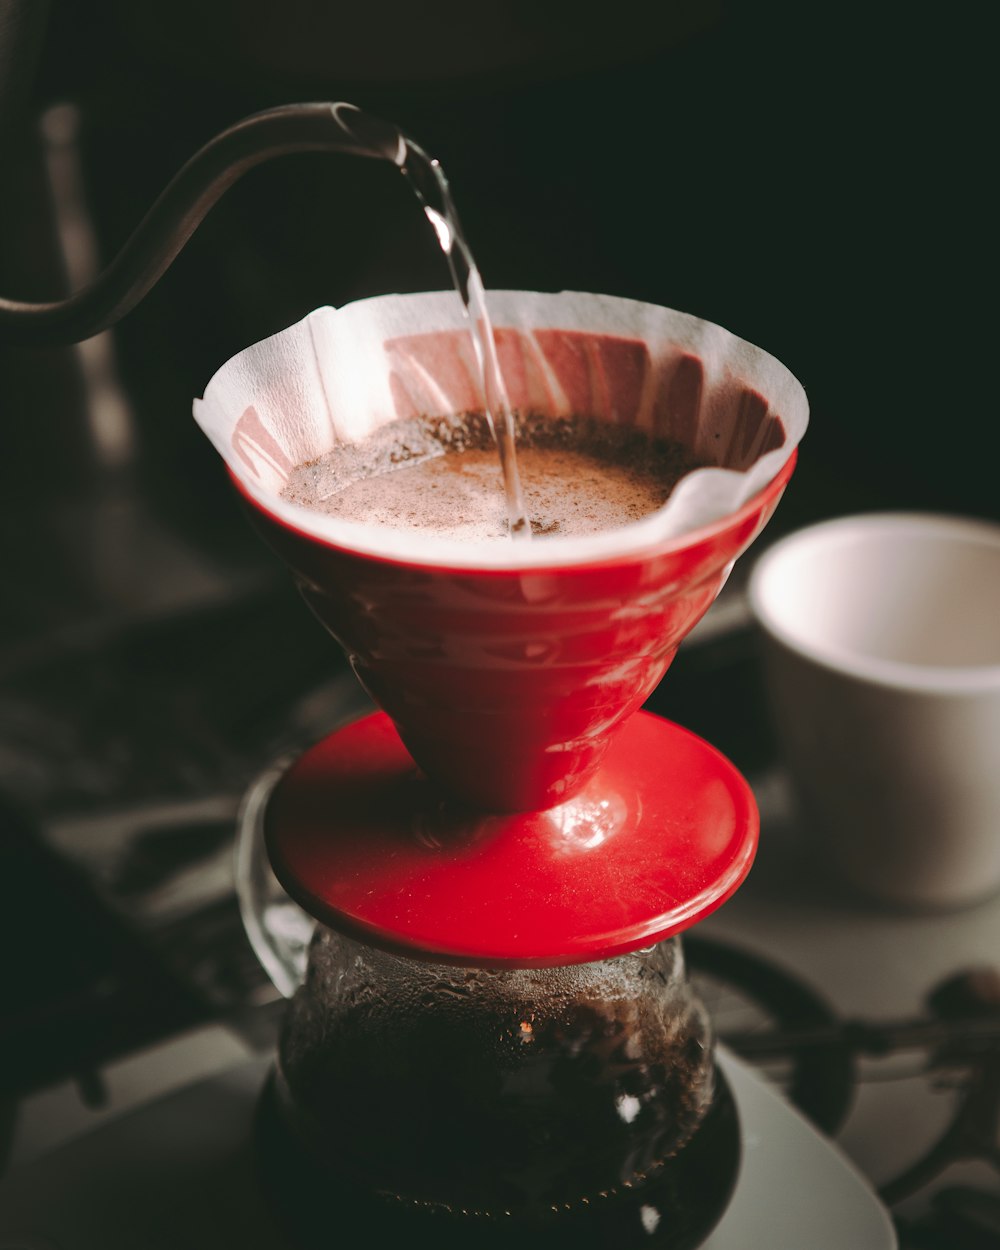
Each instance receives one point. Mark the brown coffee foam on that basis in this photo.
(443, 476)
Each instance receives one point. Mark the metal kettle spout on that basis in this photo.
(187, 199)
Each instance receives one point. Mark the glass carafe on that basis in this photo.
(498, 1096)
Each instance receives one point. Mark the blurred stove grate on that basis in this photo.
(80, 986)
(785, 1028)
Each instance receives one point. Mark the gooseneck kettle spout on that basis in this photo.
(177, 213)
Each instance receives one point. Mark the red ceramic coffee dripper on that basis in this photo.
(508, 685)
(508, 671)
(508, 808)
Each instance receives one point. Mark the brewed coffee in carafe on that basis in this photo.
(492, 1106)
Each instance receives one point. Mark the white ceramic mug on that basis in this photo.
(882, 655)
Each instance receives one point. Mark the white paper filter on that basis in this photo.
(339, 374)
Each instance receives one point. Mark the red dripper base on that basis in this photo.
(661, 836)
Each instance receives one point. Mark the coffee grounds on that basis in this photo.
(580, 476)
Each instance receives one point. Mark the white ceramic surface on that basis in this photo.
(882, 654)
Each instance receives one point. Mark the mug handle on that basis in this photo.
(278, 929)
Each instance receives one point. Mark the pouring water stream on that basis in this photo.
(427, 180)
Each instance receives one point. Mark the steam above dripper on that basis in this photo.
(507, 670)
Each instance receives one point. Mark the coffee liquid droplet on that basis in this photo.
(374, 137)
